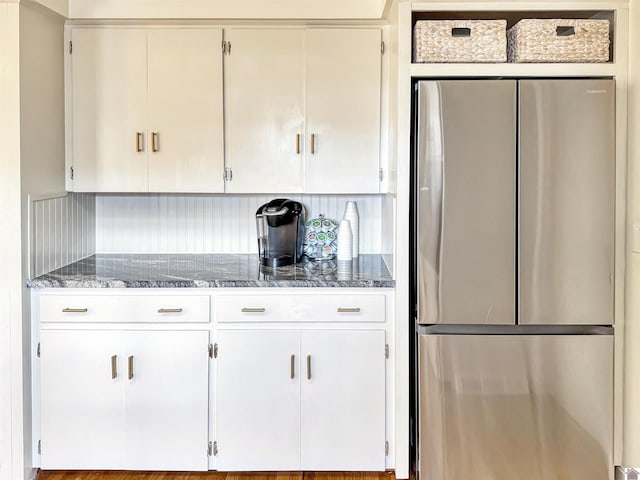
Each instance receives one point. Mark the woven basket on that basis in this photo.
(559, 40)
(460, 41)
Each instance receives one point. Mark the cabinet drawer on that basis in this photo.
(254, 308)
(341, 308)
(126, 309)
(300, 308)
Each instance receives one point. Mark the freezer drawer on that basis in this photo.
(567, 201)
(465, 201)
(501, 407)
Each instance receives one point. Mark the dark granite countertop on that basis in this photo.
(211, 271)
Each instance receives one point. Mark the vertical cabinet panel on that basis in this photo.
(265, 113)
(166, 401)
(185, 110)
(109, 85)
(342, 403)
(82, 412)
(567, 201)
(258, 403)
(342, 106)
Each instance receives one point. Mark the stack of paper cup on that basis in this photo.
(351, 214)
(344, 269)
(345, 241)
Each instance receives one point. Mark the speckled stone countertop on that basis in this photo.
(211, 271)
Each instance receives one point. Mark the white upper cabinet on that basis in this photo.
(342, 105)
(109, 110)
(146, 110)
(185, 110)
(303, 110)
(265, 115)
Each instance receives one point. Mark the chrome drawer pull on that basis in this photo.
(75, 310)
(169, 310)
(253, 310)
(348, 310)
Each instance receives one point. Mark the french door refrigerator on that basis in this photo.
(513, 207)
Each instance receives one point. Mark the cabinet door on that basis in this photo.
(343, 400)
(109, 109)
(166, 401)
(342, 105)
(258, 400)
(82, 421)
(264, 110)
(185, 110)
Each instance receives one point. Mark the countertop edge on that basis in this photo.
(41, 284)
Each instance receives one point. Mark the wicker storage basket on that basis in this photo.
(460, 41)
(559, 40)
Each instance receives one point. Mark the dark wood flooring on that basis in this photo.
(109, 475)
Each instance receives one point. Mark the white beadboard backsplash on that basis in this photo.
(62, 231)
(165, 223)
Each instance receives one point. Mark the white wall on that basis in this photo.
(60, 7)
(212, 223)
(631, 444)
(41, 151)
(11, 439)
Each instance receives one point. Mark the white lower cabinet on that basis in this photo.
(115, 399)
(300, 400)
(258, 400)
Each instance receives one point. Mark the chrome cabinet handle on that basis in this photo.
(155, 142)
(169, 310)
(114, 367)
(75, 310)
(130, 367)
(253, 310)
(348, 310)
(297, 144)
(293, 366)
(308, 367)
(139, 145)
(313, 144)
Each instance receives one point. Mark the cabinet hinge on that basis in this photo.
(386, 351)
(71, 169)
(380, 174)
(38, 350)
(213, 351)
(226, 48)
(39, 447)
(228, 174)
(386, 449)
(212, 449)
(382, 47)
(70, 47)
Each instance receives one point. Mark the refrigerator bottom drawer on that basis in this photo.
(530, 407)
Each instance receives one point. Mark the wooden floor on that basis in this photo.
(80, 475)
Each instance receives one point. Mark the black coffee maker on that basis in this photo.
(280, 227)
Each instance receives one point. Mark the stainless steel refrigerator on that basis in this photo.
(514, 196)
